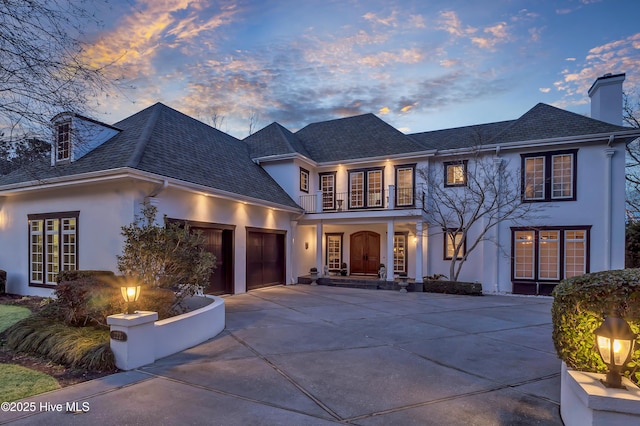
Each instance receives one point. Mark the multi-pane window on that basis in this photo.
(524, 255)
(52, 246)
(404, 186)
(549, 176)
(399, 253)
(63, 141)
(356, 189)
(366, 188)
(534, 178)
(561, 176)
(455, 173)
(328, 188)
(550, 254)
(548, 251)
(334, 251)
(575, 253)
(304, 180)
(453, 239)
(374, 188)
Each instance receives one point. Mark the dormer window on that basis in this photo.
(63, 141)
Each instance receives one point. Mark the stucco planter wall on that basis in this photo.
(452, 287)
(148, 340)
(584, 401)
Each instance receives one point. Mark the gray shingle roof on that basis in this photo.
(274, 140)
(540, 122)
(165, 142)
(460, 137)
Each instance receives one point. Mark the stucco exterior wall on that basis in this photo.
(103, 208)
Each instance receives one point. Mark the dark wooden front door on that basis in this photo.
(219, 242)
(265, 259)
(365, 253)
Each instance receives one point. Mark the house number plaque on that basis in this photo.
(118, 335)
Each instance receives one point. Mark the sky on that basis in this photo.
(419, 65)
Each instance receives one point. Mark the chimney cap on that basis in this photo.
(601, 80)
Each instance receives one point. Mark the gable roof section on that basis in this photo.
(541, 122)
(547, 122)
(274, 140)
(163, 141)
(361, 136)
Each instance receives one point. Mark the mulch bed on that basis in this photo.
(64, 375)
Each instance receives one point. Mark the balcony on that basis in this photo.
(388, 199)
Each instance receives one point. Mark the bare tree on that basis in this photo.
(487, 194)
(631, 117)
(43, 69)
(254, 119)
(19, 153)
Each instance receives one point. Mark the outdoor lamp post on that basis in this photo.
(130, 294)
(615, 342)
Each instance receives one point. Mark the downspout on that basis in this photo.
(497, 162)
(608, 193)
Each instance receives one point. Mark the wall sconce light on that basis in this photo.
(615, 341)
(130, 294)
(415, 239)
(306, 245)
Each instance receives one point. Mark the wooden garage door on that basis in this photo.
(219, 242)
(265, 259)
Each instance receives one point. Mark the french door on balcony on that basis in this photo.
(365, 253)
(365, 189)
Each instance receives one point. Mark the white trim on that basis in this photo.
(129, 173)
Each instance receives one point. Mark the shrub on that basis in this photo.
(452, 287)
(88, 300)
(77, 347)
(579, 307)
(78, 274)
(170, 256)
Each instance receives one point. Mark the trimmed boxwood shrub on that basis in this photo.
(579, 307)
(452, 287)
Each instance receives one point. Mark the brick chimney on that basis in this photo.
(606, 98)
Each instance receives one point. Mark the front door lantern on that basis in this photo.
(615, 341)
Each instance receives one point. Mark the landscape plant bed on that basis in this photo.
(65, 376)
(453, 287)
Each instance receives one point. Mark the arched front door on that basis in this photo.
(365, 253)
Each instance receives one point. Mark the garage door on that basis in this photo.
(265, 258)
(219, 242)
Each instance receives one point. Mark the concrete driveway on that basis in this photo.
(315, 355)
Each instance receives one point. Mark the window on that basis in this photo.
(334, 251)
(304, 180)
(453, 239)
(550, 253)
(404, 185)
(399, 253)
(328, 188)
(549, 176)
(365, 188)
(63, 141)
(455, 173)
(52, 246)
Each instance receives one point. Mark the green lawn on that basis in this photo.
(10, 315)
(17, 382)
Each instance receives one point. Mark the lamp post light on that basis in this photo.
(130, 294)
(615, 341)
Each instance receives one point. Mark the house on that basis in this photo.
(349, 190)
